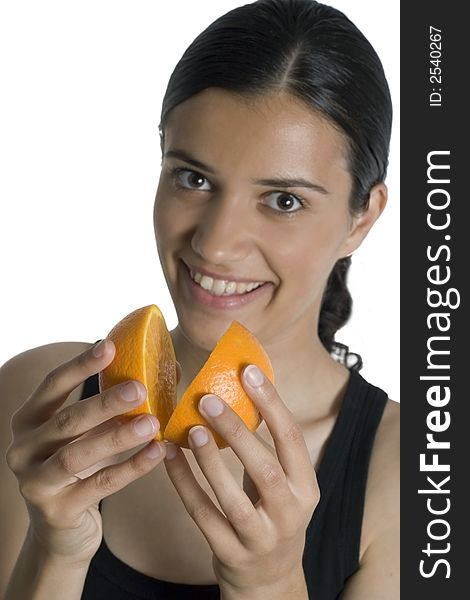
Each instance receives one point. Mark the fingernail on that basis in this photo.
(98, 349)
(199, 436)
(144, 426)
(154, 450)
(129, 392)
(170, 450)
(254, 376)
(211, 406)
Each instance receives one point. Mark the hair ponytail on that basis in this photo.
(336, 303)
(335, 311)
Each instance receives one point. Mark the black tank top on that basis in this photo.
(331, 552)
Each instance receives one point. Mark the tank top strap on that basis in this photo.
(342, 475)
(370, 410)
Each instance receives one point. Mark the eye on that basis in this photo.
(191, 180)
(284, 202)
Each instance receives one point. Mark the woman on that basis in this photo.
(274, 132)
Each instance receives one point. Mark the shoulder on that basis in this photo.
(381, 509)
(378, 575)
(22, 373)
(386, 445)
(385, 459)
(41, 359)
(381, 523)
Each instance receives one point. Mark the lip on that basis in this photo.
(196, 292)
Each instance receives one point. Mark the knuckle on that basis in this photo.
(30, 491)
(105, 481)
(200, 512)
(107, 404)
(13, 458)
(67, 461)
(271, 475)
(116, 441)
(50, 381)
(240, 513)
(294, 434)
(65, 422)
(236, 430)
(139, 465)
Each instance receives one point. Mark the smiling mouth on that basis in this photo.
(221, 287)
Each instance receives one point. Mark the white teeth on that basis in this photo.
(206, 282)
(220, 287)
(241, 288)
(231, 288)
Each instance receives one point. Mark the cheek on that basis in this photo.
(309, 254)
(166, 222)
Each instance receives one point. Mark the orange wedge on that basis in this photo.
(144, 351)
(220, 375)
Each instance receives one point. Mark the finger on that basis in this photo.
(58, 384)
(62, 467)
(287, 435)
(83, 417)
(212, 523)
(234, 502)
(261, 465)
(111, 479)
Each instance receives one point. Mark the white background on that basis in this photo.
(82, 84)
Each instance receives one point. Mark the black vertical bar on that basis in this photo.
(434, 292)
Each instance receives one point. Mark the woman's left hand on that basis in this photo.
(257, 545)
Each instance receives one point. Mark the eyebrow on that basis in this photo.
(276, 182)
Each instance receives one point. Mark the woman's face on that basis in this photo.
(251, 191)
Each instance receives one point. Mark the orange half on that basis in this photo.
(221, 375)
(144, 351)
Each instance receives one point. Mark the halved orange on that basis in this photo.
(144, 351)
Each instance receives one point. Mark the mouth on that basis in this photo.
(222, 287)
(220, 293)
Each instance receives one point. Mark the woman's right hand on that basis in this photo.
(52, 444)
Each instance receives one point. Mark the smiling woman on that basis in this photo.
(275, 131)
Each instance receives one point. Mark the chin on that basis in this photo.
(204, 335)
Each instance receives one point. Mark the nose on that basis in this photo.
(222, 234)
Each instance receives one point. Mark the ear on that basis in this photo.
(162, 145)
(362, 223)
